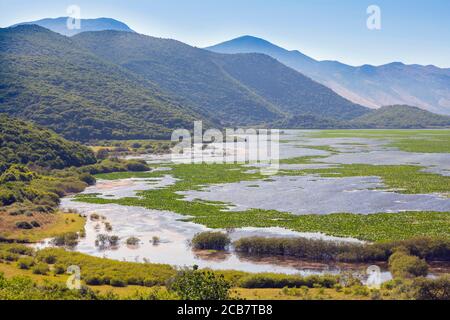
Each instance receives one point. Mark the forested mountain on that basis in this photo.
(427, 87)
(123, 85)
(51, 80)
(59, 25)
(24, 143)
(231, 89)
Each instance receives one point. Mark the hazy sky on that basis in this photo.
(411, 31)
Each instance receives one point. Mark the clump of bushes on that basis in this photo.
(24, 225)
(116, 165)
(100, 271)
(270, 280)
(425, 248)
(193, 284)
(432, 289)
(69, 239)
(106, 241)
(40, 268)
(403, 265)
(25, 263)
(210, 241)
(132, 241)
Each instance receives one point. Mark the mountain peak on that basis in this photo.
(59, 25)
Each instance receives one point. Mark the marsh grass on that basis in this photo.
(426, 141)
(375, 227)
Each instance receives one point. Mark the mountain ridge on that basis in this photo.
(59, 25)
(373, 86)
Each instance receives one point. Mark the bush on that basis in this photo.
(69, 239)
(41, 268)
(269, 280)
(432, 289)
(87, 178)
(403, 265)
(137, 166)
(132, 241)
(25, 263)
(199, 285)
(116, 282)
(426, 248)
(24, 225)
(211, 241)
(59, 269)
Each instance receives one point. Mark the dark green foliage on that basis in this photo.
(211, 241)
(403, 265)
(263, 280)
(200, 285)
(229, 89)
(49, 79)
(25, 263)
(425, 248)
(23, 288)
(24, 225)
(40, 268)
(116, 165)
(432, 289)
(22, 143)
(69, 239)
(400, 117)
(99, 271)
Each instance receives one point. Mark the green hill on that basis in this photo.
(24, 143)
(244, 89)
(49, 79)
(400, 117)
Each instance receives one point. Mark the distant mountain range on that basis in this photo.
(59, 25)
(427, 87)
(123, 85)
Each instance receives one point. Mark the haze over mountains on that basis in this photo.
(427, 87)
(59, 25)
(122, 85)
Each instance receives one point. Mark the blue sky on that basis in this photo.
(411, 31)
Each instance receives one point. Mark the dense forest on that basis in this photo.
(24, 143)
(45, 77)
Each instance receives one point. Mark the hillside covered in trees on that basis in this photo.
(23, 143)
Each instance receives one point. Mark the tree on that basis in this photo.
(193, 284)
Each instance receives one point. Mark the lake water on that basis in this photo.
(296, 194)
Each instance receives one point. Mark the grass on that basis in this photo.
(404, 179)
(426, 141)
(375, 227)
(55, 224)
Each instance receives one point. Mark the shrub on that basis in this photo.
(25, 263)
(269, 280)
(35, 224)
(40, 268)
(116, 282)
(432, 289)
(426, 248)
(69, 239)
(19, 249)
(87, 178)
(199, 285)
(24, 225)
(211, 241)
(403, 265)
(132, 241)
(59, 269)
(137, 166)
